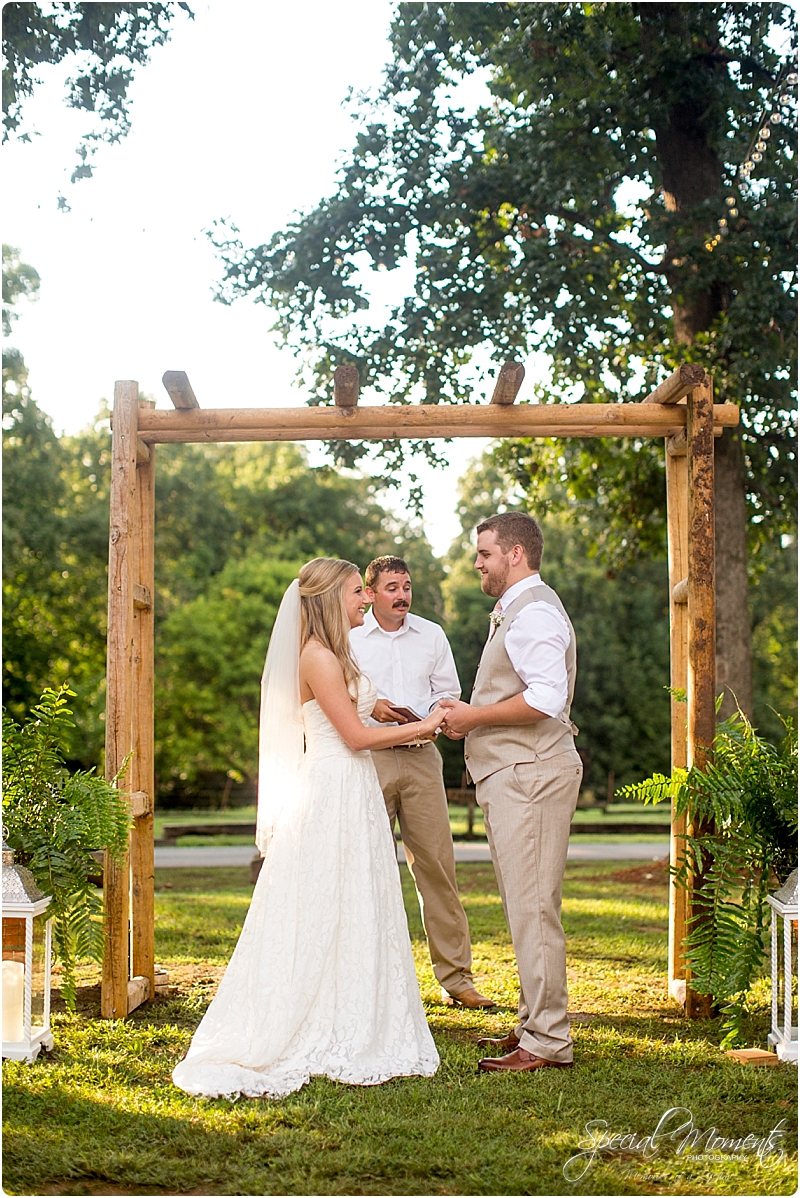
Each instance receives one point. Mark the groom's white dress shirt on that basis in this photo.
(412, 667)
(536, 642)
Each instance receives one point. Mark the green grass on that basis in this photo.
(100, 1115)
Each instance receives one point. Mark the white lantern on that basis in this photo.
(27, 944)
(784, 969)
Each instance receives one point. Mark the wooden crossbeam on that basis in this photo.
(139, 991)
(394, 421)
(680, 592)
(142, 599)
(678, 385)
(345, 385)
(508, 383)
(179, 389)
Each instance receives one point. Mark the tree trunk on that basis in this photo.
(691, 173)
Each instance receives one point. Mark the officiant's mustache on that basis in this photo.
(401, 603)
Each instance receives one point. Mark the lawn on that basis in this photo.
(100, 1116)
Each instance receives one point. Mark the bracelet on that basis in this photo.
(416, 741)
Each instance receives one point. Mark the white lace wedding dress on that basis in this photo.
(322, 979)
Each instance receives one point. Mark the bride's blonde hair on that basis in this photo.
(323, 614)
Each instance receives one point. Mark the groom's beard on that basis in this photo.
(493, 582)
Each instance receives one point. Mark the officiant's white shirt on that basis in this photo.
(412, 667)
(536, 642)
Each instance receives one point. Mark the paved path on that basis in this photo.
(242, 854)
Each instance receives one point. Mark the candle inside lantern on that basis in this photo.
(13, 1001)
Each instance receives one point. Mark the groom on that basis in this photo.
(521, 754)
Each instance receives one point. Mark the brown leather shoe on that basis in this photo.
(504, 1044)
(469, 998)
(519, 1061)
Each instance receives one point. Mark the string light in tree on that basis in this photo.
(755, 154)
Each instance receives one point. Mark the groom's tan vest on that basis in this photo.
(496, 746)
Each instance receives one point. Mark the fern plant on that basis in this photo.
(747, 795)
(54, 820)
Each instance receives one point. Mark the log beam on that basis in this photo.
(142, 598)
(393, 421)
(138, 991)
(677, 386)
(680, 593)
(179, 389)
(509, 381)
(345, 385)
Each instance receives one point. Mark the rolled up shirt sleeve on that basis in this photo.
(444, 676)
(537, 642)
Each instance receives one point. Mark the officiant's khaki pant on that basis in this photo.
(411, 780)
(527, 811)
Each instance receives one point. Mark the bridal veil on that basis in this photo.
(280, 741)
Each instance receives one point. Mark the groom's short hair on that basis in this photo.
(517, 528)
(383, 565)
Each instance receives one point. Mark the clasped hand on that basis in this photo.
(457, 718)
(453, 718)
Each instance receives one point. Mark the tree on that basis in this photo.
(211, 655)
(234, 523)
(108, 42)
(55, 547)
(621, 622)
(595, 209)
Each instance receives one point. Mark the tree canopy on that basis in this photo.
(107, 41)
(576, 213)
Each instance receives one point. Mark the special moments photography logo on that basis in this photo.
(675, 1130)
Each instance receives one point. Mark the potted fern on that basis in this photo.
(747, 796)
(54, 820)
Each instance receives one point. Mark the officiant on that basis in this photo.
(411, 663)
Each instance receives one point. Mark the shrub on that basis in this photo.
(742, 844)
(55, 820)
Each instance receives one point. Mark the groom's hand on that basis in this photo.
(459, 718)
(384, 713)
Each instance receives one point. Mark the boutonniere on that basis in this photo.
(495, 620)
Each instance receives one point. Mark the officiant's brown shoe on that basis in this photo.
(519, 1061)
(469, 998)
(504, 1044)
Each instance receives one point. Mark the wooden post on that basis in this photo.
(119, 675)
(508, 383)
(345, 385)
(179, 389)
(678, 555)
(142, 775)
(679, 384)
(701, 712)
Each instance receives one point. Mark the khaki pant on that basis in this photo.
(413, 790)
(527, 809)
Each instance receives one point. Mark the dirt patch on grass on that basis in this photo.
(652, 873)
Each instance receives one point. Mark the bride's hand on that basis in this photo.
(429, 728)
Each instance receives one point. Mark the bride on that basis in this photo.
(322, 979)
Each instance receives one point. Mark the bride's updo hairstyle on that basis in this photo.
(322, 611)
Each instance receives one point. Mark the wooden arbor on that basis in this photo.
(681, 410)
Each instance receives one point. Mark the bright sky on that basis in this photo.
(239, 114)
